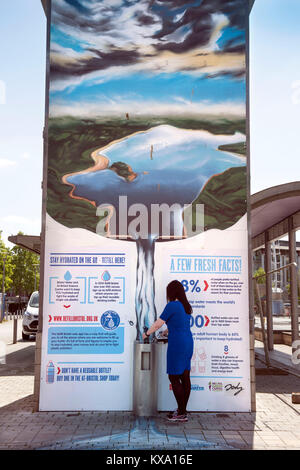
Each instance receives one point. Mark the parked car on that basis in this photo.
(31, 317)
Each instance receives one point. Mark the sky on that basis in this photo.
(274, 89)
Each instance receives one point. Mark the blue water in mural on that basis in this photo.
(172, 166)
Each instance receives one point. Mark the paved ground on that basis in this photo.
(275, 425)
(280, 322)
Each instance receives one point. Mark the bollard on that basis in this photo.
(15, 330)
(296, 398)
(145, 380)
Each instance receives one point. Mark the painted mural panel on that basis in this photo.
(147, 108)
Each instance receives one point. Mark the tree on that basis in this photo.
(26, 270)
(5, 256)
(260, 278)
(260, 275)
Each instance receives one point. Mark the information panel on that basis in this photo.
(89, 322)
(216, 285)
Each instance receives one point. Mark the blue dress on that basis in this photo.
(180, 339)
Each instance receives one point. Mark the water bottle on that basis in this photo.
(50, 373)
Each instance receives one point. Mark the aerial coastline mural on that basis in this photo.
(147, 101)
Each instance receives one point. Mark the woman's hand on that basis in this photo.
(156, 325)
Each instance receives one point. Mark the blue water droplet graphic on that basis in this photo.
(105, 276)
(68, 276)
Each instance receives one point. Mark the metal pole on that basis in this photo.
(293, 276)
(255, 279)
(38, 351)
(276, 270)
(15, 329)
(262, 324)
(3, 286)
(35, 271)
(269, 293)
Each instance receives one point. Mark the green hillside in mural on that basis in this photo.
(224, 198)
(239, 147)
(72, 140)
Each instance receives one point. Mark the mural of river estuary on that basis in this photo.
(164, 165)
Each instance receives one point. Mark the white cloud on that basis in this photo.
(25, 155)
(2, 92)
(12, 224)
(6, 163)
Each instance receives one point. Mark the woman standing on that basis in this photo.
(180, 346)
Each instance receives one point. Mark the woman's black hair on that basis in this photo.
(175, 290)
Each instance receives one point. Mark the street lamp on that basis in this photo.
(3, 284)
(35, 275)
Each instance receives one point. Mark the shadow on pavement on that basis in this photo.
(26, 405)
(20, 362)
(277, 384)
(275, 380)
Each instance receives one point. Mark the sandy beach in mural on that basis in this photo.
(101, 163)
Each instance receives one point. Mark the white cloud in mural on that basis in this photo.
(120, 38)
(67, 55)
(165, 135)
(192, 63)
(118, 107)
(107, 27)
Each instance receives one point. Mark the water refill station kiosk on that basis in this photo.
(145, 379)
(146, 180)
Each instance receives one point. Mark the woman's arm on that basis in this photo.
(156, 325)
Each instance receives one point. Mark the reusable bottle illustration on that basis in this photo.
(50, 373)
